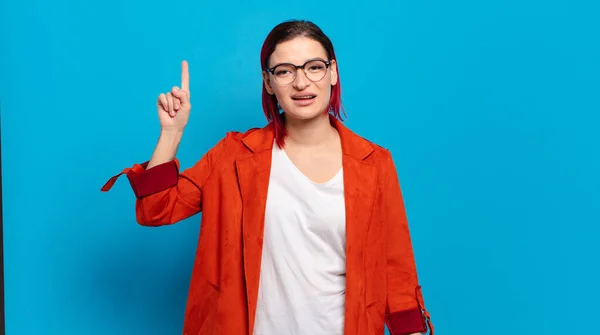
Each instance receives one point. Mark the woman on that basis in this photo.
(303, 224)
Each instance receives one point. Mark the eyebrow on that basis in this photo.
(308, 60)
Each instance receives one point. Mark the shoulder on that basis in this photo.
(382, 159)
(379, 150)
(238, 136)
(358, 146)
(377, 154)
(235, 143)
(252, 138)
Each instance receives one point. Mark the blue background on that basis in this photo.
(489, 107)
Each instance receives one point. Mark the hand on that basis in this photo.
(174, 107)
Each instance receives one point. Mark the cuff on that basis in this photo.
(155, 179)
(406, 322)
(146, 182)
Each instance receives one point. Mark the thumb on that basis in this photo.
(182, 96)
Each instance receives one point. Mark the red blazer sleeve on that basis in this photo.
(406, 313)
(164, 195)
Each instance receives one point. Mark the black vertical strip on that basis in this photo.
(2, 328)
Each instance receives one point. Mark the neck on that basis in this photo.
(313, 132)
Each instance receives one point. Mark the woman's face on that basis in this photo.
(300, 97)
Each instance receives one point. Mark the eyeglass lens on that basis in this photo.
(286, 73)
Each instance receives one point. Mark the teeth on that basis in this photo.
(305, 97)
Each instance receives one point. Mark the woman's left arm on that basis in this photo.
(406, 313)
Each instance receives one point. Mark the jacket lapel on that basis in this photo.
(360, 181)
(253, 176)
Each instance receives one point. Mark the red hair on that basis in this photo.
(284, 32)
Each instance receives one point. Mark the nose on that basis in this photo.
(301, 81)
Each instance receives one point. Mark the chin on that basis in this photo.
(302, 115)
(305, 113)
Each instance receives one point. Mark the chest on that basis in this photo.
(319, 166)
(300, 210)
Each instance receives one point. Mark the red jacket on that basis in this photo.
(229, 186)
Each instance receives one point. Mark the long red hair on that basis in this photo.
(286, 31)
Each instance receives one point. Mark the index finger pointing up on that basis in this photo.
(185, 77)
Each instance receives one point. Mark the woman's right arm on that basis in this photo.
(163, 194)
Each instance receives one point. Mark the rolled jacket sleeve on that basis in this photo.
(164, 195)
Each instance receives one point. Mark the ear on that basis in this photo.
(267, 82)
(334, 74)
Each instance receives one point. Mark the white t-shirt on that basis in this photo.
(303, 272)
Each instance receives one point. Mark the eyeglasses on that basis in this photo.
(314, 70)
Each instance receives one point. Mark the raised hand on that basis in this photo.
(174, 107)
